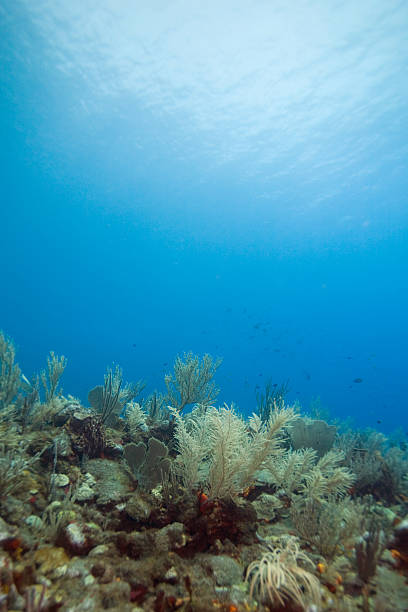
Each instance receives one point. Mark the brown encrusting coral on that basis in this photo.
(145, 506)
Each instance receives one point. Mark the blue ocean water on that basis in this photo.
(226, 178)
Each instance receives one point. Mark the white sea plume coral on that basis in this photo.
(327, 478)
(288, 471)
(329, 525)
(265, 441)
(221, 453)
(192, 444)
(136, 418)
(240, 450)
(277, 577)
(229, 446)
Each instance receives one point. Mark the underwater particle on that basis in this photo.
(358, 380)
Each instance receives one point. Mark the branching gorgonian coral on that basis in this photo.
(328, 525)
(192, 381)
(327, 477)
(50, 378)
(220, 453)
(110, 399)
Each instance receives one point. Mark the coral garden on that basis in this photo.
(165, 502)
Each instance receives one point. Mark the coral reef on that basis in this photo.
(150, 506)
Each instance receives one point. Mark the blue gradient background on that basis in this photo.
(224, 177)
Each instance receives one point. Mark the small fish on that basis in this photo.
(358, 380)
(379, 422)
(25, 379)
